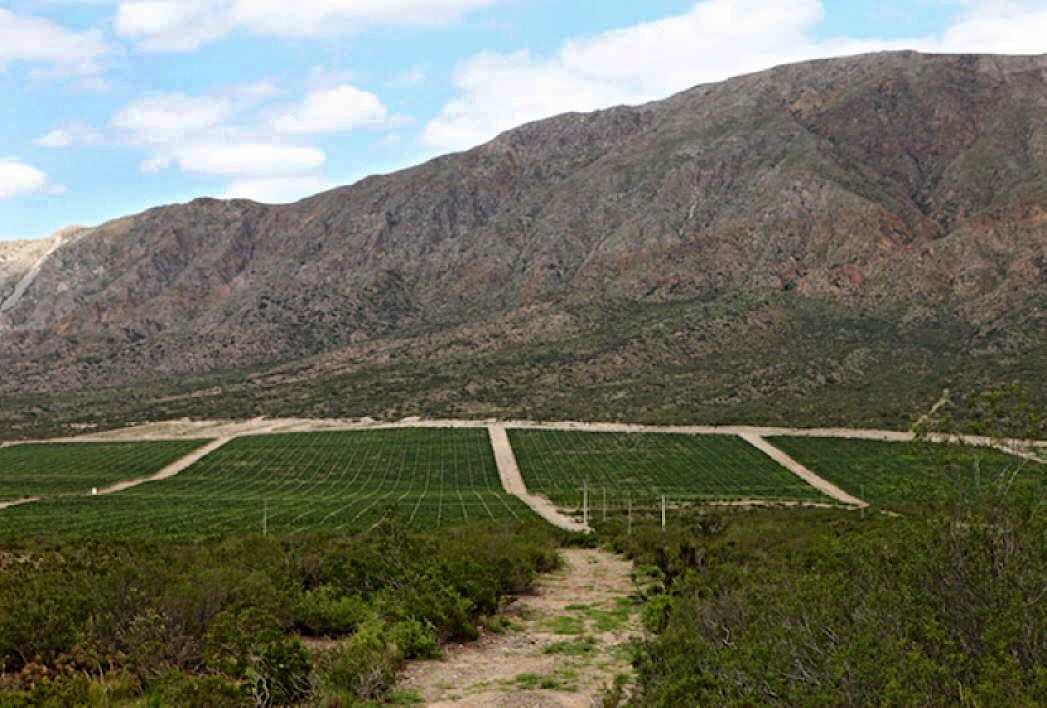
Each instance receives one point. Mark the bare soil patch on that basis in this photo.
(564, 647)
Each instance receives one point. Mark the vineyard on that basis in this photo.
(899, 474)
(292, 482)
(643, 466)
(53, 469)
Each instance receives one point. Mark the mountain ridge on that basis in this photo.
(899, 188)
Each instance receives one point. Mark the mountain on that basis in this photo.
(832, 241)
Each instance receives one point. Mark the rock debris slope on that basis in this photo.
(891, 206)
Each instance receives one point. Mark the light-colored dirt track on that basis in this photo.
(512, 480)
(18, 502)
(822, 485)
(167, 472)
(185, 428)
(512, 483)
(589, 598)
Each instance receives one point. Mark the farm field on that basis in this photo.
(291, 482)
(642, 466)
(54, 469)
(896, 474)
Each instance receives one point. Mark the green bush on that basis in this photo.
(195, 623)
(327, 611)
(824, 607)
(365, 665)
(182, 689)
(281, 673)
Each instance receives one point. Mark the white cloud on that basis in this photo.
(17, 178)
(172, 25)
(197, 135)
(184, 25)
(999, 27)
(58, 138)
(714, 40)
(339, 109)
(169, 118)
(63, 52)
(240, 159)
(280, 190)
(69, 134)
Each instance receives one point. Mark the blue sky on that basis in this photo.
(110, 107)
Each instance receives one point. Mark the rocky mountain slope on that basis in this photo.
(812, 232)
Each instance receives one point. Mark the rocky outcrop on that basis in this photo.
(897, 184)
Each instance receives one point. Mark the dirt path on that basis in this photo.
(170, 471)
(18, 502)
(512, 483)
(564, 648)
(167, 472)
(822, 485)
(185, 428)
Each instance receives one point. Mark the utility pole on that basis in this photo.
(585, 503)
(605, 503)
(663, 512)
(629, 506)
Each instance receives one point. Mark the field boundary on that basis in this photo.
(167, 472)
(17, 502)
(170, 471)
(184, 428)
(803, 472)
(513, 483)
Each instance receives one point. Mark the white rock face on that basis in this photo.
(20, 262)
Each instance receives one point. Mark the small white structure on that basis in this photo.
(94, 491)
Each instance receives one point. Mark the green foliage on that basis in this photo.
(214, 622)
(52, 469)
(326, 610)
(725, 357)
(280, 673)
(908, 475)
(643, 466)
(293, 482)
(178, 688)
(822, 607)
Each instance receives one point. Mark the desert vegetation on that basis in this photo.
(811, 607)
(249, 620)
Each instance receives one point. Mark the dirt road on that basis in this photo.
(565, 646)
(822, 485)
(512, 483)
(170, 471)
(185, 428)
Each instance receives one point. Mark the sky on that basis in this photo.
(109, 107)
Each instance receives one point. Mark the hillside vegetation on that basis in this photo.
(828, 242)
